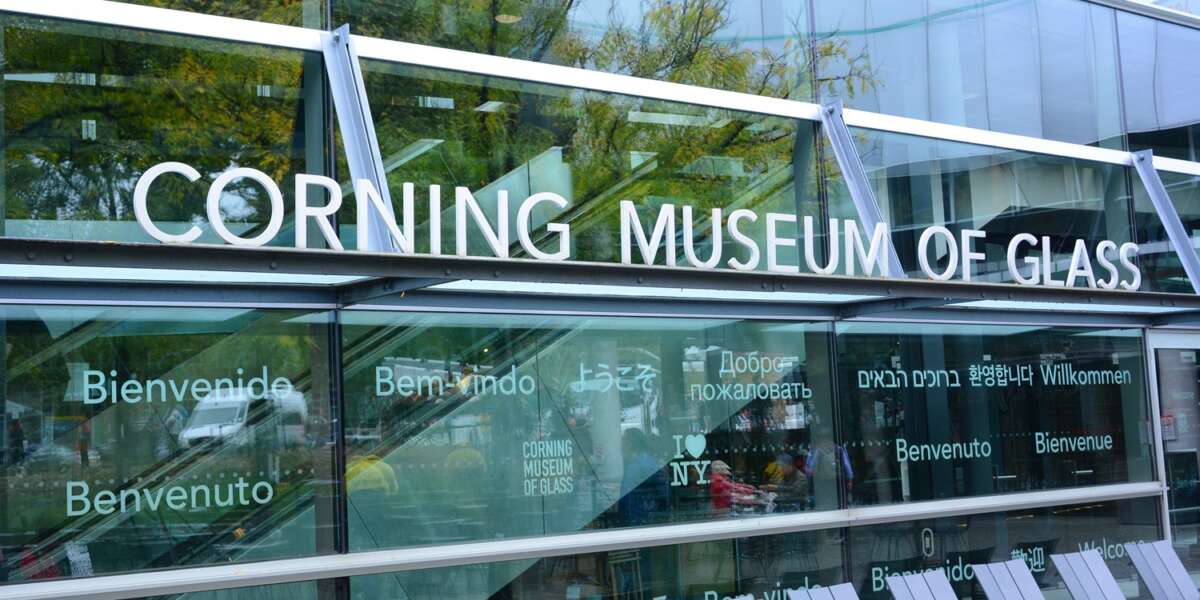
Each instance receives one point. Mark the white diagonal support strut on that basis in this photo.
(358, 130)
(856, 178)
(1143, 161)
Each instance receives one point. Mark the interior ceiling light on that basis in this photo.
(490, 106)
(659, 118)
(507, 19)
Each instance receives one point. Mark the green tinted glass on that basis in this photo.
(949, 411)
(742, 45)
(137, 438)
(921, 183)
(305, 13)
(766, 566)
(504, 140)
(88, 109)
(562, 424)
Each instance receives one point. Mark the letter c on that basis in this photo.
(139, 202)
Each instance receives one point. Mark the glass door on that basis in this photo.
(1175, 358)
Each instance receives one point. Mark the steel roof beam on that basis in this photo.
(887, 305)
(381, 287)
(182, 258)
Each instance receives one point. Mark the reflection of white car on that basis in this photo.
(238, 416)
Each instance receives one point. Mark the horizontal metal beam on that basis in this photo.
(382, 287)
(178, 581)
(327, 262)
(414, 295)
(166, 20)
(1187, 317)
(1154, 11)
(988, 316)
(888, 305)
(907, 310)
(613, 306)
(126, 293)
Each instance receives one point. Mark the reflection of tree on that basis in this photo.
(289, 12)
(87, 109)
(495, 132)
(134, 442)
(683, 41)
(151, 98)
(677, 42)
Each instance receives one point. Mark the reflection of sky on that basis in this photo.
(235, 207)
(1041, 68)
(768, 21)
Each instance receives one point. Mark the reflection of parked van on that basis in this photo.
(237, 416)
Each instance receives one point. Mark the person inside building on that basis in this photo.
(644, 485)
(724, 492)
(16, 441)
(784, 478)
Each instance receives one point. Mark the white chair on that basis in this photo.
(1008, 580)
(1162, 571)
(927, 585)
(841, 591)
(1086, 576)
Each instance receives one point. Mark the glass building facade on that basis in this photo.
(291, 314)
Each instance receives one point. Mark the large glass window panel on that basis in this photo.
(138, 438)
(923, 182)
(595, 150)
(1043, 68)
(305, 13)
(940, 411)
(956, 543)
(1158, 256)
(1159, 76)
(1159, 79)
(771, 565)
(88, 109)
(766, 566)
(1178, 391)
(562, 424)
(741, 45)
